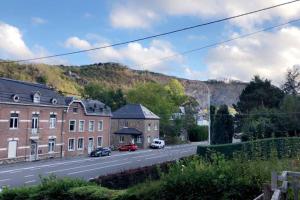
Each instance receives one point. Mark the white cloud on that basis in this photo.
(13, 46)
(142, 14)
(134, 54)
(268, 54)
(132, 16)
(38, 21)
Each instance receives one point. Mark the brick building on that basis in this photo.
(36, 123)
(134, 123)
(30, 121)
(87, 126)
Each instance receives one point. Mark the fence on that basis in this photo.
(283, 186)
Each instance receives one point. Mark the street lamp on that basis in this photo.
(208, 102)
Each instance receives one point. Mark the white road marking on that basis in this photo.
(28, 176)
(78, 167)
(3, 180)
(78, 172)
(32, 181)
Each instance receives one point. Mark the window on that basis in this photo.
(126, 123)
(100, 125)
(71, 145)
(14, 120)
(36, 98)
(156, 127)
(52, 121)
(99, 142)
(139, 139)
(91, 126)
(81, 126)
(35, 121)
(75, 110)
(51, 145)
(149, 139)
(72, 125)
(121, 139)
(80, 144)
(149, 127)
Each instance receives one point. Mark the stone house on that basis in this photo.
(87, 126)
(134, 123)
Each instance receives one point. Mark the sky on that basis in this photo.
(35, 28)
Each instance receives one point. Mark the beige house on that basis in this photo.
(134, 123)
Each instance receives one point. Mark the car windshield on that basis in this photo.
(99, 149)
(157, 142)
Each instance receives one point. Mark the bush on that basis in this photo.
(284, 147)
(198, 133)
(92, 192)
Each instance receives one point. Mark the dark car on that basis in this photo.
(100, 152)
(128, 147)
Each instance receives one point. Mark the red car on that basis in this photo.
(128, 147)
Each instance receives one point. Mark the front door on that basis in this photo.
(33, 150)
(12, 149)
(90, 145)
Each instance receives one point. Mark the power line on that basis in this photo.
(218, 43)
(156, 35)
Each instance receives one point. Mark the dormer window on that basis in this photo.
(36, 97)
(54, 101)
(16, 98)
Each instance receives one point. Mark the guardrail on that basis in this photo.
(280, 185)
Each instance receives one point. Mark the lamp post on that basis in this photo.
(208, 102)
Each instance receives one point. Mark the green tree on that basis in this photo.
(114, 99)
(290, 110)
(292, 84)
(259, 93)
(223, 126)
(176, 90)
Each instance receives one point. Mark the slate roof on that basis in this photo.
(134, 111)
(128, 131)
(92, 107)
(25, 91)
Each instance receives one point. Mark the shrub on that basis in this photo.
(284, 147)
(92, 192)
(198, 133)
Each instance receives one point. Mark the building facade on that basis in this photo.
(37, 123)
(134, 123)
(86, 127)
(31, 117)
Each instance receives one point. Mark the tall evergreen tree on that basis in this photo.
(292, 83)
(223, 129)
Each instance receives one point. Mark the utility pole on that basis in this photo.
(208, 109)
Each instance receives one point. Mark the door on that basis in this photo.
(12, 149)
(33, 151)
(90, 145)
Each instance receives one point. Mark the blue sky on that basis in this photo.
(35, 28)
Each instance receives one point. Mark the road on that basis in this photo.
(29, 173)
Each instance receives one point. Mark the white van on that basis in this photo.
(157, 144)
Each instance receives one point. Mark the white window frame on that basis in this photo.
(79, 130)
(82, 143)
(51, 148)
(155, 126)
(52, 121)
(149, 139)
(100, 128)
(76, 110)
(93, 125)
(36, 98)
(139, 139)
(72, 120)
(149, 127)
(98, 141)
(15, 121)
(121, 140)
(73, 149)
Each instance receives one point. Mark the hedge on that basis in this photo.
(282, 147)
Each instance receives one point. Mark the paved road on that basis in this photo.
(28, 173)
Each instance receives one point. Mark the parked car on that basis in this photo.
(157, 144)
(128, 147)
(100, 152)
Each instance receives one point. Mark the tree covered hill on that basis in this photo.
(71, 79)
